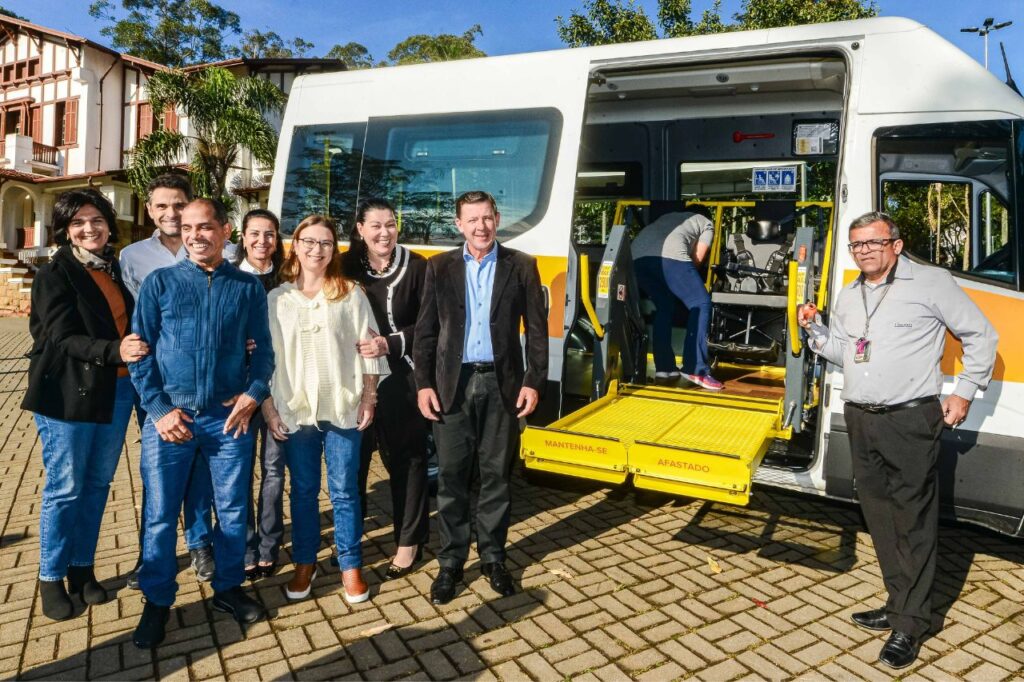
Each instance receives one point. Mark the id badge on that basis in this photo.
(861, 350)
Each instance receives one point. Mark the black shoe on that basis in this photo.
(872, 620)
(56, 602)
(151, 628)
(202, 563)
(443, 589)
(266, 571)
(499, 577)
(900, 650)
(395, 572)
(241, 606)
(82, 581)
(133, 580)
(252, 574)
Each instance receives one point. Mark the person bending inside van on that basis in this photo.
(667, 255)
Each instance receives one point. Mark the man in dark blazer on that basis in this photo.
(472, 383)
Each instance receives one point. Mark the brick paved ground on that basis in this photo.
(613, 588)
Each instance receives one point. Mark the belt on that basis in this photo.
(478, 367)
(875, 408)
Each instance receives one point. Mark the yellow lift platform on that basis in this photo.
(688, 442)
(679, 441)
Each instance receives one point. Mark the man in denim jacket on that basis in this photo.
(200, 389)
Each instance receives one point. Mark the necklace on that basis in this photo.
(383, 271)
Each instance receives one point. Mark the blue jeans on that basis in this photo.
(198, 497)
(166, 470)
(80, 459)
(665, 280)
(340, 448)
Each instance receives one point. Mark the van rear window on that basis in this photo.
(421, 164)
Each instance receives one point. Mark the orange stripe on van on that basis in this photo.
(1006, 313)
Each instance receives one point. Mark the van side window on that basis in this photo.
(422, 163)
(949, 188)
(323, 174)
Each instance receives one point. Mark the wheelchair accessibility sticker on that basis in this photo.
(773, 179)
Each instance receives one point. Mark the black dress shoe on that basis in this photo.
(150, 630)
(872, 620)
(266, 571)
(252, 573)
(56, 602)
(443, 589)
(241, 606)
(499, 577)
(395, 572)
(202, 563)
(900, 650)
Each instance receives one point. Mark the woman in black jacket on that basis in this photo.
(262, 256)
(393, 279)
(79, 390)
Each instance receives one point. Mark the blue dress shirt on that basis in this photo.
(476, 347)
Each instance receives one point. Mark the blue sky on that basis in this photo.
(514, 25)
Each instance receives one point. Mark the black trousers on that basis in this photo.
(477, 436)
(895, 459)
(399, 432)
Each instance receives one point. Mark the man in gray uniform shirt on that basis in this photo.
(888, 332)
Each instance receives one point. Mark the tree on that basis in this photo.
(8, 13)
(440, 48)
(225, 115)
(171, 32)
(269, 45)
(355, 55)
(601, 22)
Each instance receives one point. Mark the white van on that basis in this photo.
(876, 114)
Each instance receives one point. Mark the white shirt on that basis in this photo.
(318, 373)
(246, 266)
(140, 259)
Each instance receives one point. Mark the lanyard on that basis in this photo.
(864, 299)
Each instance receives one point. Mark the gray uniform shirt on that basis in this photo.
(908, 336)
(673, 236)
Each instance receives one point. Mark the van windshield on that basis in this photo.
(421, 164)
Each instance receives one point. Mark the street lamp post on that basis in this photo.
(986, 27)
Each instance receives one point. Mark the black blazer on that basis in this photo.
(76, 349)
(440, 328)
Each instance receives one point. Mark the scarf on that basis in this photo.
(90, 261)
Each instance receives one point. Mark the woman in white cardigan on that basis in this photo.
(323, 395)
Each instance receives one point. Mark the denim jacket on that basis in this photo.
(196, 324)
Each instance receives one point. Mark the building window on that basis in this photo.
(65, 130)
(145, 123)
(36, 123)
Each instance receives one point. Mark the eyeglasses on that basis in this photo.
(311, 244)
(869, 245)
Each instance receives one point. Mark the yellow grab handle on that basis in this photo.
(795, 343)
(585, 295)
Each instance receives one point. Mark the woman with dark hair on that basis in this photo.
(79, 392)
(393, 278)
(322, 397)
(261, 255)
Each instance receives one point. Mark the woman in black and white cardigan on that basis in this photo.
(392, 276)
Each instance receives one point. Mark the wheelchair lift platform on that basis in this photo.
(674, 440)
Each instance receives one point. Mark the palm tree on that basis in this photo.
(225, 115)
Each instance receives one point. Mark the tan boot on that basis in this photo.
(356, 589)
(302, 581)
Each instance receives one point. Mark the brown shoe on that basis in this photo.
(356, 589)
(302, 581)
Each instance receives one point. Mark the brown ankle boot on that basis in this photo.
(356, 590)
(302, 581)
